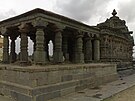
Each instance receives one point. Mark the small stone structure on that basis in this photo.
(74, 41)
(71, 39)
(116, 43)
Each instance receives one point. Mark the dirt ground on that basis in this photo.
(126, 95)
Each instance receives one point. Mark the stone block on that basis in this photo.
(66, 78)
(42, 85)
(78, 76)
(54, 87)
(48, 96)
(1, 74)
(68, 84)
(38, 75)
(67, 91)
(54, 77)
(39, 78)
(80, 87)
(20, 97)
(46, 89)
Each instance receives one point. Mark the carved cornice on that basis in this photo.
(39, 22)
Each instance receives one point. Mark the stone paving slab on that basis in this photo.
(102, 92)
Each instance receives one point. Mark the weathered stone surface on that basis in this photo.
(73, 42)
(35, 84)
(48, 96)
(21, 97)
(67, 91)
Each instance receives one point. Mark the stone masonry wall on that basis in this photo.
(38, 83)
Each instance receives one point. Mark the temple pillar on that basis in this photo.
(88, 50)
(40, 53)
(24, 47)
(79, 56)
(5, 49)
(58, 54)
(12, 51)
(96, 49)
(46, 49)
(65, 48)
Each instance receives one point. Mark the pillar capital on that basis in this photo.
(97, 37)
(24, 28)
(78, 34)
(3, 31)
(59, 27)
(88, 37)
(39, 23)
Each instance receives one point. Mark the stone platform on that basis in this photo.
(42, 83)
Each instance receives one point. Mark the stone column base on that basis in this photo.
(13, 57)
(58, 57)
(40, 57)
(66, 56)
(79, 58)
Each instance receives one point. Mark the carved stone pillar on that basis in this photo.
(58, 54)
(33, 38)
(88, 50)
(96, 49)
(12, 51)
(5, 49)
(40, 53)
(24, 47)
(79, 56)
(65, 48)
(46, 49)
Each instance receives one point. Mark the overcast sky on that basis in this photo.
(90, 12)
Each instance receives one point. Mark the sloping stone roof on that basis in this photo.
(41, 11)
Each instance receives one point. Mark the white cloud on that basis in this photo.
(7, 14)
(82, 10)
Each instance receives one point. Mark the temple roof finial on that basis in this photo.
(114, 12)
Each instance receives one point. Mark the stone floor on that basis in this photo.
(126, 95)
(124, 84)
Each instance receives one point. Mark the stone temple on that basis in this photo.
(83, 56)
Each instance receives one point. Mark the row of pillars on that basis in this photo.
(40, 55)
(91, 51)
